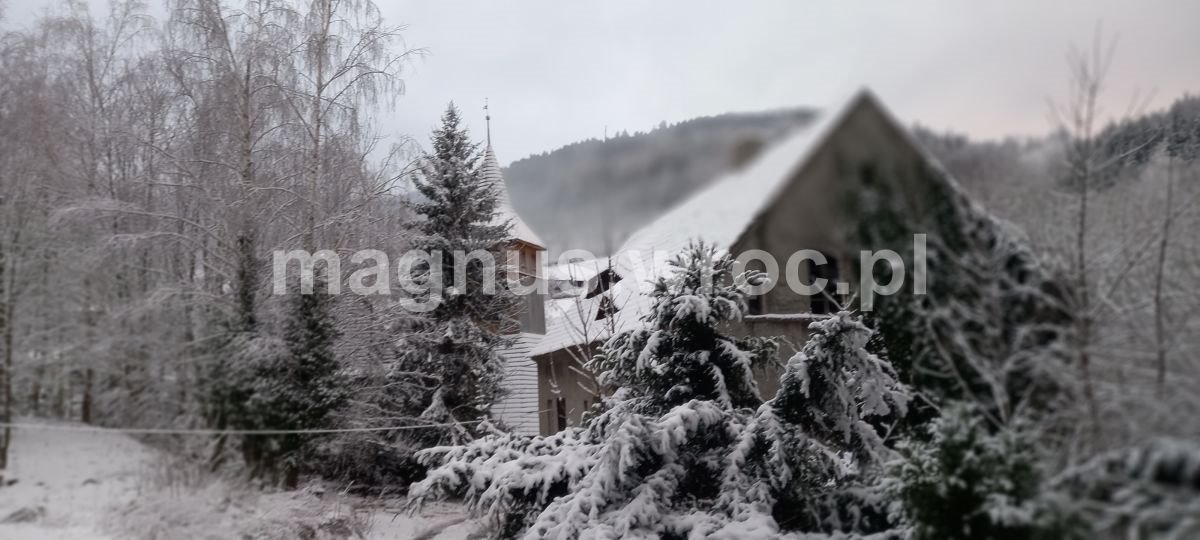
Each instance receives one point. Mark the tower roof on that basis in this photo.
(504, 208)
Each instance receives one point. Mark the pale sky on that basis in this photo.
(558, 71)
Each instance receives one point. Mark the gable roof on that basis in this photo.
(718, 215)
(490, 172)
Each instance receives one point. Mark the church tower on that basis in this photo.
(527, 245)
(519, 408)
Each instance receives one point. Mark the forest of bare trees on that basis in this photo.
(149, 167)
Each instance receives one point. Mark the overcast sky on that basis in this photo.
(559, 71)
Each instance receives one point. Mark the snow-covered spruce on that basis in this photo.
(811, 456)
(451, 357)
(969, 480)
(683, 447)
(270, 382)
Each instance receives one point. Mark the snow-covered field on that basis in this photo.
(79, 485)
(70, 479)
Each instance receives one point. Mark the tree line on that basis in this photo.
(148, 168)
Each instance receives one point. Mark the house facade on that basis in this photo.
(788, 199)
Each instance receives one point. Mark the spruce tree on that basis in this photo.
(967, 481)
(454, 352)
(811, 457)
(683, 354)
(293, 382)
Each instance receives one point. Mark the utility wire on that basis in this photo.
(180, 431)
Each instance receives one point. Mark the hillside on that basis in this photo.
(592, 194)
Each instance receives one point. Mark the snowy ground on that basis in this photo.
(70, 479)
(99, 486)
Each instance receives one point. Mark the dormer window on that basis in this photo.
(603, 282)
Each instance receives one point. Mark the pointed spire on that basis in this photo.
(487, 115)
(505, 212)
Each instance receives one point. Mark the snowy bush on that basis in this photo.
(684, 447)
(967, 482)
(1147, 491)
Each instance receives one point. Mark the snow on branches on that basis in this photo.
(684, 447)
(681, 353)
(811, 453)
(456, 345)
(1150, 490)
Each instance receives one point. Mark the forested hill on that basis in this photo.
(593, 194)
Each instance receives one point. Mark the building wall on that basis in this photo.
(518, 406)
(563, 393)
(532, 314)
(810, 212)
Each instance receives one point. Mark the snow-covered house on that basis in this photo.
(790, 198)
(518, 407)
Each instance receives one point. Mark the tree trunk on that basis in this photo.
(85, 409)
(1084, 311)
(6, 331)
(35, 392)
(1160, 324)
(8, 382)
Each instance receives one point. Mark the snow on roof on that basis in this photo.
(504, 208)
(576, 270)
(718, 215)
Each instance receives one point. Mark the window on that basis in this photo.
(755, 304)
(583, 412)
(826, 301)
(602, 282)
(606, 308)
(560, 407)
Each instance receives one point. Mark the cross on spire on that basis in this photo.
(487, 115)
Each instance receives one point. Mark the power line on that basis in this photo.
(181, 431)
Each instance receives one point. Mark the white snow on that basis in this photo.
(581, 270)
(106, 486)
(786, 317)
(74, 476)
